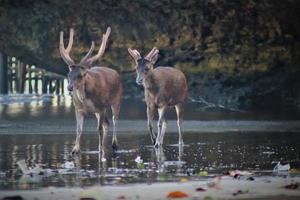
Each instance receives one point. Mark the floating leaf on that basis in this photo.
(140, 165)
(163, 177)
(177, 194)
(203, 173)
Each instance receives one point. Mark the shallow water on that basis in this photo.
(41, 131)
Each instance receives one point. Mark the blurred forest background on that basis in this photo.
(241, 54)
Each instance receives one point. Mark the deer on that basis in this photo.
(94, 89)
(164, 87)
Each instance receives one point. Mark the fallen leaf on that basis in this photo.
(292, 186)
(184, 180)
(237, 176)
(200, 189)
(207, 198)
(293, 171)
(240, 192)
(121, 198)
(177, 194)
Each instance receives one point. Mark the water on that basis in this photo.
(41, 131)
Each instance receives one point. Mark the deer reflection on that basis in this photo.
(77, 169)
(161, 164)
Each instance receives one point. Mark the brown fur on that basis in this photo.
(165, 86)
(103, 87)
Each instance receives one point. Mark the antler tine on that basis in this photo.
(101, 49)
(83, 60)
(152, 53)
(65, 53)
(71, 37)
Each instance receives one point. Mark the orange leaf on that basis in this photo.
(177, 194)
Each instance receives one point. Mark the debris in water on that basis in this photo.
(139, 162)
(281, 167)
(238, 173)
(68, 165)
(190, 171)
(138, 159)
(177, 194)
(250, 178)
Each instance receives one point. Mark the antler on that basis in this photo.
(135, 54)
(65, 53)
(89, 61)
(83, 60)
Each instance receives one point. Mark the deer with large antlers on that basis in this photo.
(94, 89)
(163, 87)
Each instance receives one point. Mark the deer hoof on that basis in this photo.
(154, 141)
(75, 150)
(157, 145)
(114, 146)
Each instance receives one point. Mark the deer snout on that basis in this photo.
(70, 88)
(139, 82)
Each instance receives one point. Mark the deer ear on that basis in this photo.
(154, 58)
(134, 54)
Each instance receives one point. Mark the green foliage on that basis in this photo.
(193, 35)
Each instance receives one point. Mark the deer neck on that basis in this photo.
(79, 95)
(150, 84)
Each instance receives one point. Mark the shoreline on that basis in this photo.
(223, 188)
(67, 126)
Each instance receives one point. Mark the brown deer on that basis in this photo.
(94, 89)
(164, 87)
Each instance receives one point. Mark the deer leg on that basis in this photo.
(179, 111)
(150, 116)
(163, 130)
(115, 112)
(161, 113)
(79, 120)
(102, 128)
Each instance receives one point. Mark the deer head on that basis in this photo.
(143, 65)
(78, 71)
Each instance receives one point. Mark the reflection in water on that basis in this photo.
(32, 106)
(214, 152)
